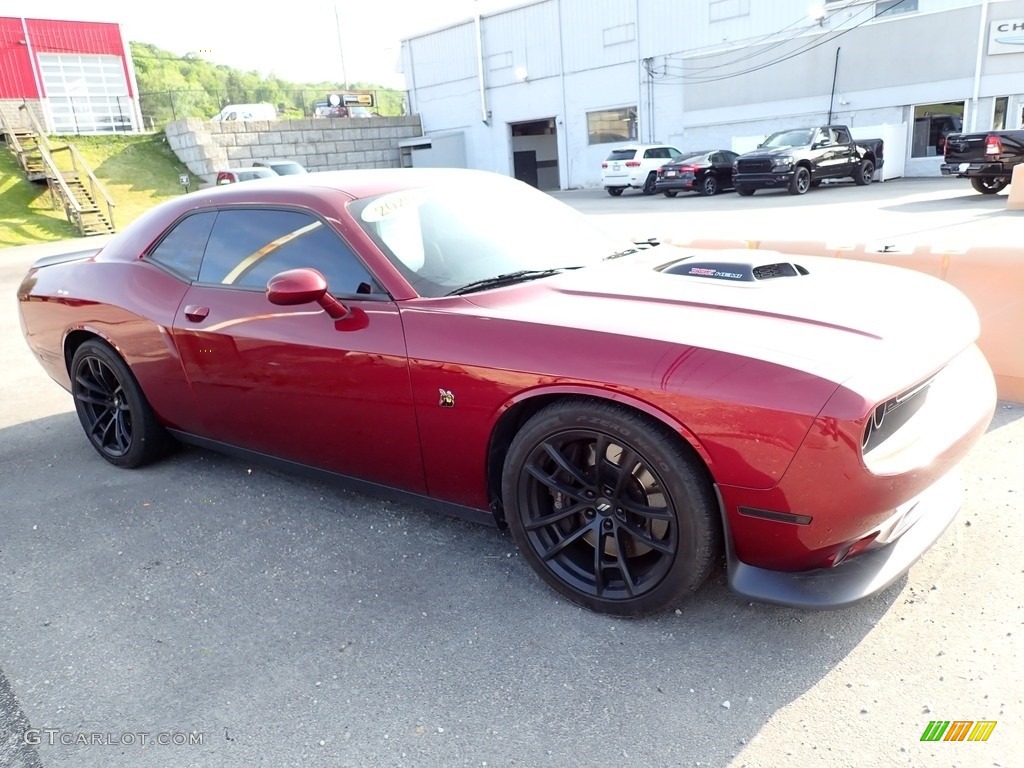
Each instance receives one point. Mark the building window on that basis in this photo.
(894, 7)
(720, 10)
(932, 124)
(609, 125)
(86, 93)
(999, 113)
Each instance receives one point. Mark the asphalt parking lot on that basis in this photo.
(288, 623)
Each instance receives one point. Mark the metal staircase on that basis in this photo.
(71, 182)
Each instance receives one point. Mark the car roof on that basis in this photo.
(356, 183)
(642, 146)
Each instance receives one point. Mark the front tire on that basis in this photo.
(988, 185)
(609, 508)
(744, 191)
(113, 411)
(800, 182)
(865, 174)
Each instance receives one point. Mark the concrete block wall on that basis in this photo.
(14, 117)
(321, 144)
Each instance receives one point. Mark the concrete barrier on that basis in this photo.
(1015, 201)
(991, 277)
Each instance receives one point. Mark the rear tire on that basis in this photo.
(865, 174)
(671, 192)
(614, 191)
(609, 508)
(989, 185)
(709, 187)
(113, 411)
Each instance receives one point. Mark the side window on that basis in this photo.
(181, 249)
(248, 247)
(842, 136)
(716, 158)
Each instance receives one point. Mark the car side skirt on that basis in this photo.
(350, 483)
(858, 578)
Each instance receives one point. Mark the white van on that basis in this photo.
(247, 112)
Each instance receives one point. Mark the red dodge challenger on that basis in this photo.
(632, 415)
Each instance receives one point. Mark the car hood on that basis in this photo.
(758, 154)
(875, 328)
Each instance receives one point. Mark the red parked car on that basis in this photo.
(468, 341)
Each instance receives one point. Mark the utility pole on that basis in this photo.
(341, 48)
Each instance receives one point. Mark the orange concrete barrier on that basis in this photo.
(713, 244)
(1015, 202)
(993, 279)
(799, 247)
(921, 258)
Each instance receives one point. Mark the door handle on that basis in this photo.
(196, 313)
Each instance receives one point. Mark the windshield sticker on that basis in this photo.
(393, 203)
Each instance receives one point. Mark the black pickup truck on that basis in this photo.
(800, 158)
(987, 159)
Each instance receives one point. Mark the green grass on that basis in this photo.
(137, 170)
(25, 212)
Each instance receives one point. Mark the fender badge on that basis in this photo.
(447, 399)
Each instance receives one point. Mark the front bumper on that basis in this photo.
(971, 170)
(762, 180)
(860, 576)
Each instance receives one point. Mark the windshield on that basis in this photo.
(288, 169)
(447, 235)
(801, 138)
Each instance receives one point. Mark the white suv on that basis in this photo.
(636, 166)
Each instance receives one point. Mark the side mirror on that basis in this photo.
(303, 286)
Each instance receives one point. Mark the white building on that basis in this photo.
(543, 91)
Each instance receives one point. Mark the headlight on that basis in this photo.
(782, 163)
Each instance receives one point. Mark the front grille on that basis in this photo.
(754, 166)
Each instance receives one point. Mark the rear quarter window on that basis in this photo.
(181, 249)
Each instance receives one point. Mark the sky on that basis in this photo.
(297, 40)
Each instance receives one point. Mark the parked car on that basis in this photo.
(635, 167)
(262, 111)
(280, 167)
(708, 172)
(234, 175)
(631, 415)
(798, 159)
(987, 158)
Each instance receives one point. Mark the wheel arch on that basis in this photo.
(520, 409)
(77, 337)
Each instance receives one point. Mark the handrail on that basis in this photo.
(40, 132)
(94, 183)
(54, 176)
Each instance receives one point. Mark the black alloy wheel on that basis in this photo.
(609, 508)
(709, 187)
(112, 409)
(800, 182)
(865, 174)
(649, 184)
(988, 185)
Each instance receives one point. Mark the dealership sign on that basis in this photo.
(1006, 36)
